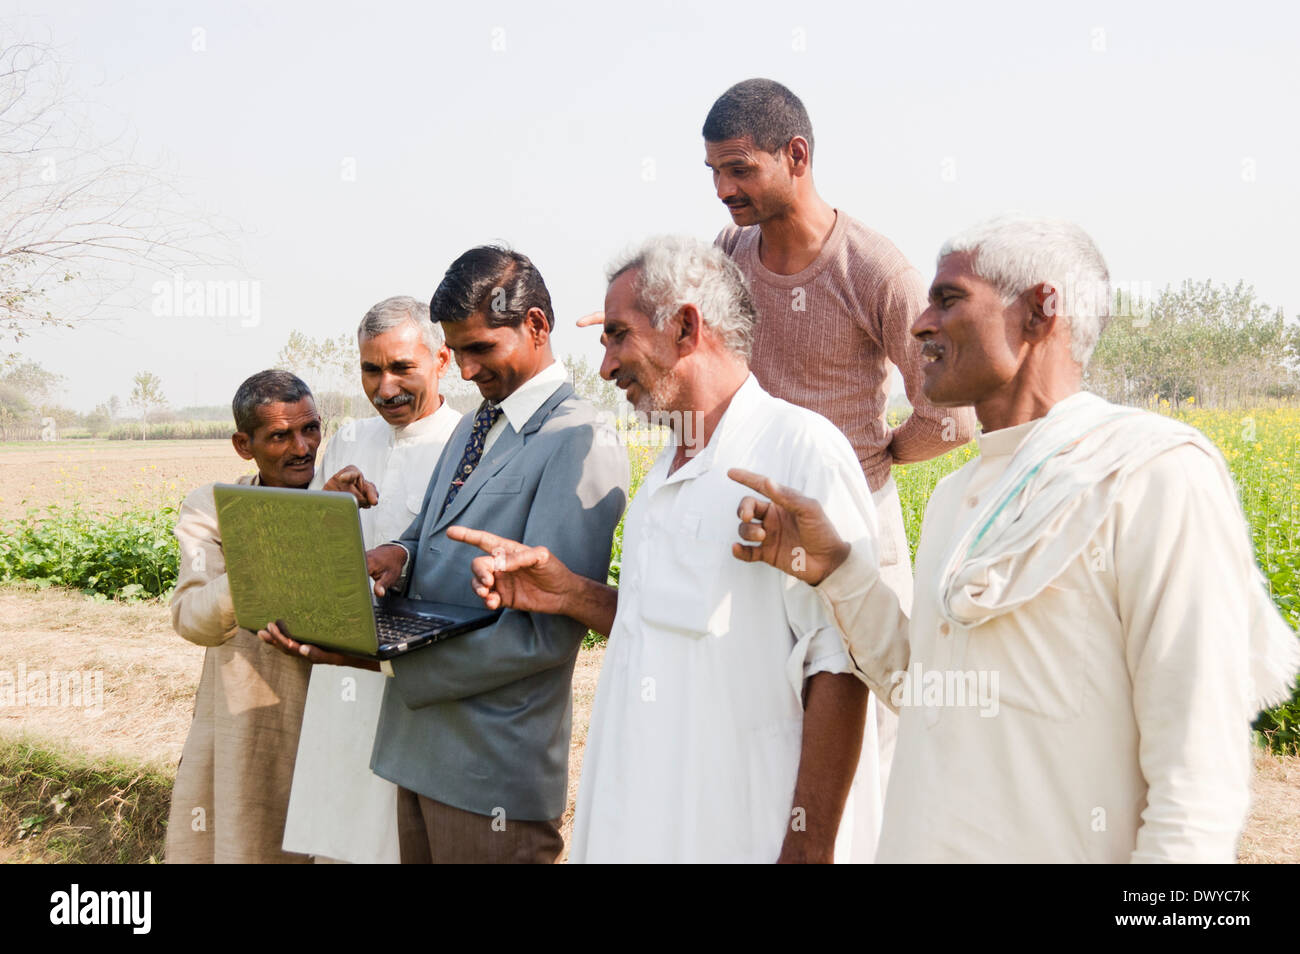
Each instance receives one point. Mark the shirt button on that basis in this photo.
(972, 501)
(944, 629)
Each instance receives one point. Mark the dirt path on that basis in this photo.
(149, 675)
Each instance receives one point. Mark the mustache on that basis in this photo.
(396, 401)
(932, 349)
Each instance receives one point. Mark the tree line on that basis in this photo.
(1200, 344)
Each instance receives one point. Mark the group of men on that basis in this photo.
(768, 692)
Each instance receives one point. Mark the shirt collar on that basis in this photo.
(523, 403)
(742, 404)
(1003, 442)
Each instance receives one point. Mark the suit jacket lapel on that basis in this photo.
(503, 449)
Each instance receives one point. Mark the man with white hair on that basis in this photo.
(727, 723)
(1091, 568)
(339, 810)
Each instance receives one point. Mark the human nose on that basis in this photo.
(388, 385)
(926, 323)
(469, 368)
(724, 185)
(608, 364)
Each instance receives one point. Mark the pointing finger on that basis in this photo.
(784, 496)
(487, 542)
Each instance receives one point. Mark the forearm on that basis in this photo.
(930, 432)
(591, 603)
(834, 719)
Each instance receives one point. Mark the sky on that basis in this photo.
(354, 150)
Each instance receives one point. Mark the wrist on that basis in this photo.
(838, 555)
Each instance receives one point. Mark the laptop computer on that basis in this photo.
(296, 558)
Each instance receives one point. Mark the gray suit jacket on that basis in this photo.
(481, 721)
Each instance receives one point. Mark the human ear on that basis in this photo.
(243, 444)
(690, 325)
(538, 328)
(1046, 302)
(799, 154)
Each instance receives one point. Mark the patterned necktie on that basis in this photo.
(487, 416)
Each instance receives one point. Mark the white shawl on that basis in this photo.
(1053, 497)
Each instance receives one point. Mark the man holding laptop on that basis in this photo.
(475, 729)
(232, 784)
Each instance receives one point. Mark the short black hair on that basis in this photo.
(265, 387)
(762, 110)
(500, 283)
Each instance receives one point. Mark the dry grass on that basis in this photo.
(110, 476)
(150, 674)
(1272, 834)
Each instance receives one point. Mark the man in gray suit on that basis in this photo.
(475, 730)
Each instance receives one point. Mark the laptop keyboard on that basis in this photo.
(394, 629)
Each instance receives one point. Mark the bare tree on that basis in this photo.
(74, 211)
(146, 395)
(332, 369)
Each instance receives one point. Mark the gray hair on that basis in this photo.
(674, 271)
(392, 312)
(265, 387)
(1014, 252)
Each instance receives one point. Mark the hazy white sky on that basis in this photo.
(1168, 132)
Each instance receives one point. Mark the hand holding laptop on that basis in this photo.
(384, 564)
(313, 654)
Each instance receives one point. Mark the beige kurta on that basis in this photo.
(1106, 720)
(232, 784)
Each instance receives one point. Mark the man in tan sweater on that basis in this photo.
(835, 303)
(232, 785)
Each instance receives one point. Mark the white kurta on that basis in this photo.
(338, 808)
(695, 735)
(1118, 725)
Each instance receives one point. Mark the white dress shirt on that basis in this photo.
(695, 737)
(338, 808)
(1118, 726)
(525, 400)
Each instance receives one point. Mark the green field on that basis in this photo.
(132, 553)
